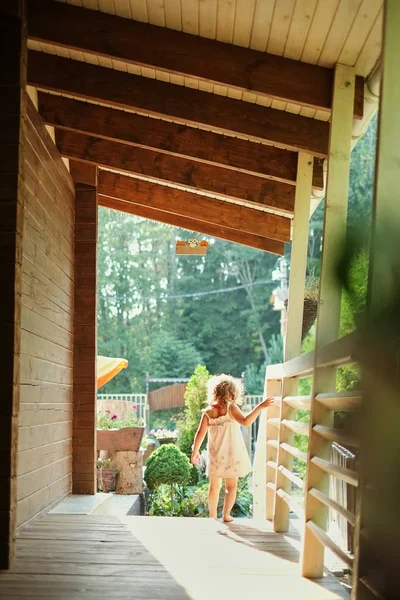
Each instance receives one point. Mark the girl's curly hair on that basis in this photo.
(221, 387)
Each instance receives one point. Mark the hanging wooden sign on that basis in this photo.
(192, 246)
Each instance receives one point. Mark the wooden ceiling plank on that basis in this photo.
(170, 138)
(218, 231)
(192, 205)
(180, 53)
(172, 169)
(180, 104)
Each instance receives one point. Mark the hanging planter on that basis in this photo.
(310, 307)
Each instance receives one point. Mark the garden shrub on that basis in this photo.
(195, 402)
(167, 465)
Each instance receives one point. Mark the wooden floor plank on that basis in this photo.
(76, 557)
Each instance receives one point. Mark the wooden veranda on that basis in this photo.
(73, 557)
(229, 118)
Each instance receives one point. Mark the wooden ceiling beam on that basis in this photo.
(172, 138)
(218, 231)
(190, 174)
(83, 172)
(180, 53)
(177, 103)
(194, 206)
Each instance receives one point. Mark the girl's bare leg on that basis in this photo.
(213, 495)
(230, 497)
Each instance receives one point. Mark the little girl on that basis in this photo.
(227, 455)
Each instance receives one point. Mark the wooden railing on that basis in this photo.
(275, 450)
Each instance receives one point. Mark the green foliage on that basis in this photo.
(353, 304)
(195, 402)
(254, 379)
(159, 502)
(254, 375)
(166, 313)
(195, 504)
(167, 465)
(361, 191)
(171, 357)
(107, 463)
(192, 501)
(166, 418)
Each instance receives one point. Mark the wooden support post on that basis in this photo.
(298, 265)
(328, 320)
(12, 110)
(85, 324)
(377, 524)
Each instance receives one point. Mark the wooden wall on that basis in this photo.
(46, 375)
(12, 83)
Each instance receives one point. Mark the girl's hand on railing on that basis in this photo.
(268, 402)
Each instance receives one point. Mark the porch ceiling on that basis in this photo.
(223, 120)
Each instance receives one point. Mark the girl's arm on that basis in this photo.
(198, 439)
(249, 419)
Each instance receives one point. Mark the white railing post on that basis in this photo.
(328, 320)
(298, 264)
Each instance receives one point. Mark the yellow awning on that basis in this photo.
(107, 368)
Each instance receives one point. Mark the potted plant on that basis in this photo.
(116, 434)
(310, 310)
(164, 436)
(107, 473)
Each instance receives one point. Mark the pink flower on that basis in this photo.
(134, 407)
(114, 418)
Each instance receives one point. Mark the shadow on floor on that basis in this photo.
(280, 545)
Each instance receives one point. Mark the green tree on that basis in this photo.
(195, 402)
(171, 357)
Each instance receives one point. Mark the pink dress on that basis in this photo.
(227, 453)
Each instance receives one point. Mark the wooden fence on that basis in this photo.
(169, 396)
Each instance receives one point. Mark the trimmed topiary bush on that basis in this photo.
(167, 465)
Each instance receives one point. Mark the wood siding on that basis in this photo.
(12, 81)
(45, 426)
